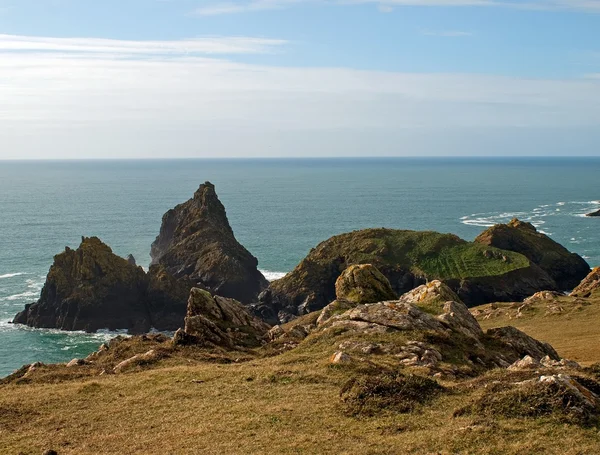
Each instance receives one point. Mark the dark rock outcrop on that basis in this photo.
(131, 260)
(89, 289)
(477, 273)
(219, 321)
(589, 285)
(594, 214)
(565, 268)
(92, 288)
(197, 243)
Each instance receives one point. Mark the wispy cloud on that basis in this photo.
(68, 102)
(198, 46)
(387, 6)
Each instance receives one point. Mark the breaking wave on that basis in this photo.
(272, 276)
(10, 275)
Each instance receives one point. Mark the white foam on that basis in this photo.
(10, 275)
(272, 276)
(23, 295)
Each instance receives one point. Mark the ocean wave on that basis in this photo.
(272, 276)
(22, 296)
(10, 275)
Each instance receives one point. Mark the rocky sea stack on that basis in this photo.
(89, 289)
(197, 243)
(565, 268)
(477, 273)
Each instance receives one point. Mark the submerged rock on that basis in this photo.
(565, 268)
(197, 243)
(408, 259)
(594, 214)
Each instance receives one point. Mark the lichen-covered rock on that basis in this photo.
(589, 285)
(363, 283)
(89, 289)
(219, 321)
(565, 268)
(458, 317)
(197, 243)
(334, 308)
(431, 297)
(477, 273)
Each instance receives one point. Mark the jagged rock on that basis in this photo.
(563, 363)
(417, 353)
(334, 308)
(92, 288)
(140, 359)
(522, 343)
(431, 296)
(89, 289)
(543, 296)
(340, 357)
(197, 243)
(131, 260)
(458, 317)
(593, 214)
(363, 283)
(526, 363)
(407, 259)
(76, 363)
(565, 268)
(219, 321)
(590, 284)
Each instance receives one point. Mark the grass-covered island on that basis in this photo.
(379, 342)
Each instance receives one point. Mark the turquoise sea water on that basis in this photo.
(279, 209)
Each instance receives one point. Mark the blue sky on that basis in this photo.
(197, 78)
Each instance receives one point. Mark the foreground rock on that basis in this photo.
(589, 286)
(477, 273)
(565, 268)
(89, 289)
(219, 321)
(92, 288)
(197, 243)
(363, 284)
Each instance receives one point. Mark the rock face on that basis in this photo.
(197, 243)
(477, 273)
(589, 285)
(91, 288)
(565, 268)
(219, 321)
(363, 284)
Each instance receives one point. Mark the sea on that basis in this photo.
(279, 209)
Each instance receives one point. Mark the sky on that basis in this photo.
(290, 78)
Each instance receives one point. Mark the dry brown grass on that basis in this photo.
(574, 333)
(202, 402)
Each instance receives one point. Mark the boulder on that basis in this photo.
(589, 285)
(90, 288)
(565, 268)
(363, 283)
(139, 359)
(431, 296)
(477, 273)
(522, 343)
(219, 321)
(197, 243)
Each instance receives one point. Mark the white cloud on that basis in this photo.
(206, 45)
(388, 5)
(99, 104)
